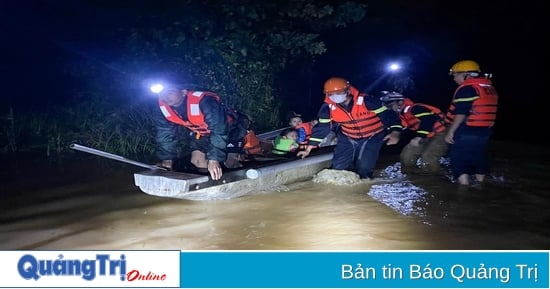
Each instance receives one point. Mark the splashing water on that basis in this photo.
(393, 172)
(402, 196)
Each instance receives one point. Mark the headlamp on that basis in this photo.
(157, 88)
(394, 66)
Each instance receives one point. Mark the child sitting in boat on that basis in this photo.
(303, 128)
(286, 142)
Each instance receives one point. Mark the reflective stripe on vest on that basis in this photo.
(360, 122)
(412, 122)
(196, 121)
(484, 105)
(484, 109)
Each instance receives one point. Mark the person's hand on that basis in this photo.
(302, 154)
(415, 141)
(392, 138)
(167, 164)
(215, 169)
(306, 152)
(450, 137)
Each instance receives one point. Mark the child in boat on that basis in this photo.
(286, 142)
(303, 128)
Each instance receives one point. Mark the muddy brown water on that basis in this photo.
(92, 203)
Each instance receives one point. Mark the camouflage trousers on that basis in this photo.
(425, 157)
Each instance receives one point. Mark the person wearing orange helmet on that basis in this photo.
(470, 119)
(364, 125)
(425, 149)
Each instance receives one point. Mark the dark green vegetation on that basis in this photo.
(238, 49)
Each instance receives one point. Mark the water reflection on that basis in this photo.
(86, 206)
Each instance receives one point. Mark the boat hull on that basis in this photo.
(234, 184)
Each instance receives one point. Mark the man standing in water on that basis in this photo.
(470, 117)
(365, 124)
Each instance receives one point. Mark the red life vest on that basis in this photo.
(484, 107)
(412, 122)
(252, 144)
(195, 116)
(308, 129)
(360, 122)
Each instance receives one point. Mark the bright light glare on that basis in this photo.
(156, 88)
(394, 67)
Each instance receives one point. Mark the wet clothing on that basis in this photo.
(477, 99)
(425, 157)
(362, 125)
(424, 119)
(468, 154)
(211, 127)
(428, 123)
(359, 155)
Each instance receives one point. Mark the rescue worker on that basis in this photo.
(422, 153)
(470, 118)
(214, 136)
(364, 125)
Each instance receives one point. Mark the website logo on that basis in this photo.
(91, 268)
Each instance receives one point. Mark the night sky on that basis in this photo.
(505, 38)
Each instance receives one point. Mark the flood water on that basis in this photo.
(92, 203)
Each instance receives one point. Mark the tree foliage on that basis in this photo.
(237, 48)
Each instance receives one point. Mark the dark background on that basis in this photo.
(506, 38)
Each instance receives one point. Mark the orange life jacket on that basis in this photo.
(252, 144)
(195, 116)
(484, 107)
(412, 122)
(308, 128)
(360, 122)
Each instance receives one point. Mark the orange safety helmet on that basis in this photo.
(336, 84)
(464, 66)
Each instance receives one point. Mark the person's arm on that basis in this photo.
(166, 139)
(319, 131)
(462, 100)
(427, 120)
(323, 127)
(389, 118)
(216, 119)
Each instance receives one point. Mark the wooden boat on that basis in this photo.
(254, 177)
(263, 173)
